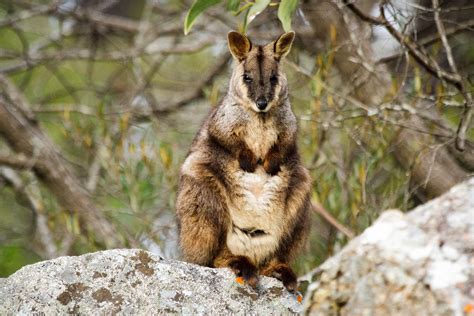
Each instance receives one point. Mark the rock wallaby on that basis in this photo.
(244, 196)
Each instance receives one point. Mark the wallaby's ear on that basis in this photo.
(282, 45)
(239, 45)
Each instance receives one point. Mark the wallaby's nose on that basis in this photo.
(262, 103)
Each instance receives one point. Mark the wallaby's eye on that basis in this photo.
(247, 78)
(273, 79)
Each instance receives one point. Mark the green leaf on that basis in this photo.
(233, 5)
(198, 7)
(285, 13)
(124, 182)
(256, 9)
(243, 29)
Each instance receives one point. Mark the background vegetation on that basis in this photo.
(100, 100)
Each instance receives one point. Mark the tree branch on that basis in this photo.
(27, 14)
(415, 50)
(17, 162)
(418, 53)
(467, 113)
(26, 137)
(30, 200)
(197, 90)
(430, 39)
(319, 209)
(444, 39)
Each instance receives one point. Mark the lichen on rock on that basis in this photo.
(133, 281)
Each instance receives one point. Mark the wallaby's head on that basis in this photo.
(257, 81)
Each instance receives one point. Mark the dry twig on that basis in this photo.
(319, 209)
(429, 63)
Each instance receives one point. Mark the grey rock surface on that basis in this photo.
(417, 263)
(133, 281)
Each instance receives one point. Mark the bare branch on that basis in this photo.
(34, 57)
(431, 39)
(444, 39)
(319, 209)
(431, 65)
(26, 14)
(17, 162)
(121, 23)
(31, 200)
(464, 125)
(415, 50)
(28, 139)
(112, 21)
(12, 93)
(82, 54)
(444, 10)
(94, 170)
(466, 116)
(197, 91)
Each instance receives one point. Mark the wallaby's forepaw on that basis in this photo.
(291, 284)
(271, 166)
(247, 160)
(246, 272)
(272, 161)
(284, 273)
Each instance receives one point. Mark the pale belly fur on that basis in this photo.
(258, 204)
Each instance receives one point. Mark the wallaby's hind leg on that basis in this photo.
(240, 265)
(202, 219)
(282, 272)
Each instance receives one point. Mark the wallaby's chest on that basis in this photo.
(257, 213)
(260, 136)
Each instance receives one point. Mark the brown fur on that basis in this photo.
(244, 196)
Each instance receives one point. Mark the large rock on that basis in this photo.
(136, 282)
(419, 263)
